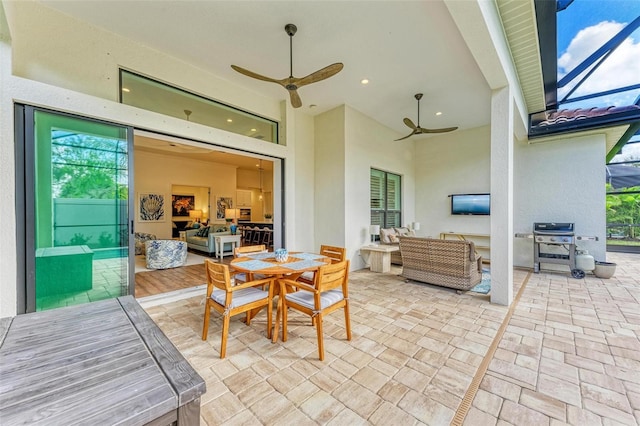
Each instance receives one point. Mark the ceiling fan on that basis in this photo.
(417, 130)
(291, 83)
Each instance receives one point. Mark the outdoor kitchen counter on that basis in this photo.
(99, 363)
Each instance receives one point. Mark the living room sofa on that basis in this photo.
(447, 263)
(203, 239)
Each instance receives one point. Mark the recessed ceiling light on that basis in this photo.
(253, 130)
(364, 81)
(124, 89)
(313, 106)
(438, 113)
(229, 120)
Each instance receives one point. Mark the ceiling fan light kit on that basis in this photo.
(417, 130)
(292, 84)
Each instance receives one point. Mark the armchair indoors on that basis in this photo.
(140, 239)
(328, 293)
(164, 254)
(230, 300)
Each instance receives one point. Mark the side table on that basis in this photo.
(234, 240)
(379, 257)
(183, 235)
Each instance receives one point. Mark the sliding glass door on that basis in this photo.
(77, 227)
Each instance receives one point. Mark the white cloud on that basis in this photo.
(621, 68)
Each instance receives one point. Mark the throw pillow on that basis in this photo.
(394, 238)
(203, 232)
(385, 235)
(403, 232)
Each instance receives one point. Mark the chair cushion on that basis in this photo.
(305, 298)
(309, 276)
(240, 297)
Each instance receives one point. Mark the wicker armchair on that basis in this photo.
(447, 263)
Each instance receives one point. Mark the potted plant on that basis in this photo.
(268, 216)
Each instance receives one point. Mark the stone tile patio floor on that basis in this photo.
(569, 354)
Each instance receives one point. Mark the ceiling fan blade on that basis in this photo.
(255, 75)
(322, 74)
(296, 102)
(408, 136)
(444, 130)
(410, 124)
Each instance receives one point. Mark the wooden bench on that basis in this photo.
(99, 363)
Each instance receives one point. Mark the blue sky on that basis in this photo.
(586, 25)
(586, 13)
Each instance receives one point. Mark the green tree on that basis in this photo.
(89, 167)
(624, 208)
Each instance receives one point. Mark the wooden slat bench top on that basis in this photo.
(99, 363)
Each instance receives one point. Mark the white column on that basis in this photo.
(502, 111)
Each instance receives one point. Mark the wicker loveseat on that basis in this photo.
(446, 263)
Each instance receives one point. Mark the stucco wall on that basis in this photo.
(368, 144)
(561, 181)
(329, 167)
(451, 163)
(57, 49)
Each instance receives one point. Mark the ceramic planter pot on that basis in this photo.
(604, 269)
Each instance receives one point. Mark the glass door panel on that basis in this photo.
(81, 210)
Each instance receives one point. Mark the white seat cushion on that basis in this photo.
(305, 298)
(240, 297)
(309, 275)
(242, 278)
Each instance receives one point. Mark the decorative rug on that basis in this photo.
(484, 286)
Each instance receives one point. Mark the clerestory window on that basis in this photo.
(152, 95)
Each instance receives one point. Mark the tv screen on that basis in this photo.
(470, 204)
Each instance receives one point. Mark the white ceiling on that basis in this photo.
(402, 47)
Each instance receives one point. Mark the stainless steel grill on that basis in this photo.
(548, 238)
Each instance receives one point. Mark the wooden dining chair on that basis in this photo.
(243, 251)
(230, 300)
(336, 254)
(329, 292)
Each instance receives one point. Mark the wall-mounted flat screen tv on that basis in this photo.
(471, 204)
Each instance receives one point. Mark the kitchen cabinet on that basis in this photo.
(243, 198)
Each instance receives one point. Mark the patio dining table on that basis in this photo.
(266, 264)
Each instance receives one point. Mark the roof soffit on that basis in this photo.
(519, 22)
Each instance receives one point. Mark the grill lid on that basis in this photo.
(553, 228)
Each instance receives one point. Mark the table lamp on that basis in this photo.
(374, 230)
(195, 215)
(415, 226)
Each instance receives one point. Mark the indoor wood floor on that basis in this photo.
(165, 280)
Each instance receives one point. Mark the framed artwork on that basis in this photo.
(223, 203)
(151, 207)
(181, 204)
